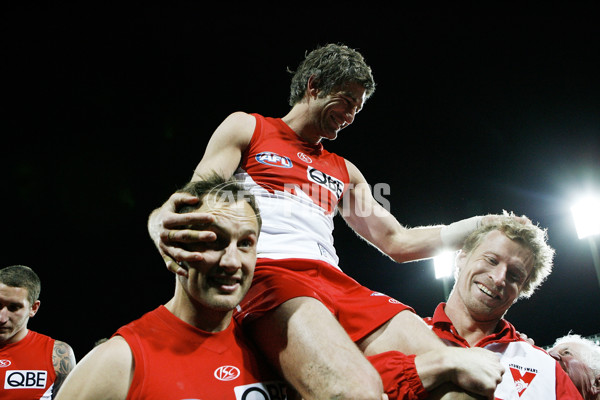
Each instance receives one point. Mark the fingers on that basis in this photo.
(173, 220)
(171, 236)
(481, 371)
(175, 267)
(179, 254)
(179, 199)
(492, 218)
(526, 338)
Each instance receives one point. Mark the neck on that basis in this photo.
(198, 315)
(469, 327)
(298, 119)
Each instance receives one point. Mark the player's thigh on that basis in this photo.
(302, 327)
(314, 353)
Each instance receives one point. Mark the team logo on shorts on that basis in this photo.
(273, 160)
(390, 300)
(227, 373)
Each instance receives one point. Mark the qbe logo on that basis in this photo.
(330, 183)
(25, 379)
(261, 391)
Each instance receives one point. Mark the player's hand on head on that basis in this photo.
(176, 230)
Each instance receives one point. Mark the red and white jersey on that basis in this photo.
(26, 368)
(298, 186)
(175, 361)
(530, 373)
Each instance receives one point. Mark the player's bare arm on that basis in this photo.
(226, 145)
(222, 155)
(105, 373)
(63, 359)
(378, 226)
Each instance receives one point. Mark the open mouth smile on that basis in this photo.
(488, 292)
(225, 283)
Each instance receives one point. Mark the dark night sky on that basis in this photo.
(111, 108)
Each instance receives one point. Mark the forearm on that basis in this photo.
(381, 229)
(425, 242)
(412, 244)
(434, 369)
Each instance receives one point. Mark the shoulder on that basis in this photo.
(105, 372)
(116, 350)
(61, 348)
(237, 129)
(240, 119)
(63, 358)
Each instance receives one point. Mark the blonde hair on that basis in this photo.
(527, 234)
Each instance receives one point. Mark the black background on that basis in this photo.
(111, 106)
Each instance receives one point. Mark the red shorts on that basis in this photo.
(358, 309)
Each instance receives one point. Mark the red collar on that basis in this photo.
(444, 328)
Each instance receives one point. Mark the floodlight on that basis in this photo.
(586, 213)
(444, 264)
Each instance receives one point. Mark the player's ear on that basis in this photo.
(311, 87)
(460, 259)
(596, 385)
(34, 308)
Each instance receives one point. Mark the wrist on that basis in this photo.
(436, 368)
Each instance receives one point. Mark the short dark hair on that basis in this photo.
(332, 65)
(228, 190)
(24, 277)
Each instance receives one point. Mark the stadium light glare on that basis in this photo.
(444, 264)
(586, 213)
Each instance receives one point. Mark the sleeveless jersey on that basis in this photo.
(175, 361)
(26, 369)
(297, 186)
(530, 372)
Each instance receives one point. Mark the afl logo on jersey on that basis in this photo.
(304, 157)
(273, 160)
(4, 363)
(227, 373)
